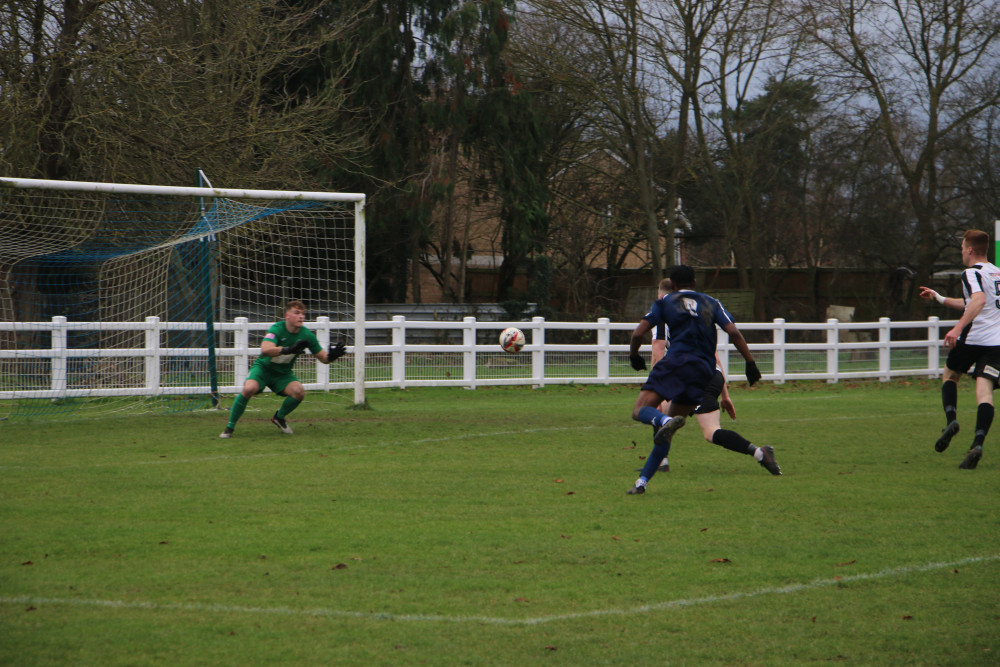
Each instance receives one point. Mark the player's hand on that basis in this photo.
(727, 406)
(926, 293)
(336, 352)
(638, 363)
(753, 373)
(298, 347)
(951, 338)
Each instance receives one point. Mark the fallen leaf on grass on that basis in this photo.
(557, 481)
(521, 600)
(721, 560)
(339, 566)
(550, 648)
(907, 618)
(850, 562)
(27, 562)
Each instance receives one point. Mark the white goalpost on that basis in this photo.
(124, 297)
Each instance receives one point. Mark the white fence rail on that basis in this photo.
(410, 353)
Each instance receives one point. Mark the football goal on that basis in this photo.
(121, 297)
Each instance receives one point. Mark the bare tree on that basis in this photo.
(605, 75)
(148, 90)
(920, 71)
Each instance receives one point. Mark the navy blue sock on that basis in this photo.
(650, 415)
(653, 461)
(949, 399)
(984, 419)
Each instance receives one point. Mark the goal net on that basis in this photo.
(117, 297)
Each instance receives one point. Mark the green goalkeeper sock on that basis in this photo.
(287, 406)
(235, 412)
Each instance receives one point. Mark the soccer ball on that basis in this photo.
(512, 339)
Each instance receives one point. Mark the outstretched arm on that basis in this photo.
(737, 339)
(640, 331)
(926, 293)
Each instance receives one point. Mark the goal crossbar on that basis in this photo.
(135, 189)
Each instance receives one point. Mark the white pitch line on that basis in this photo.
(538, 620)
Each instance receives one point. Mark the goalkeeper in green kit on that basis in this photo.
(282, 344)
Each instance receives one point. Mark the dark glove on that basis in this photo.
(336, 352)
(299, 346)
(638, 363)
(753, 373)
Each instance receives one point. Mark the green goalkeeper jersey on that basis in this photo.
(282, 337)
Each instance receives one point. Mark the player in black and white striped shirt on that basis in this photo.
(974, 343)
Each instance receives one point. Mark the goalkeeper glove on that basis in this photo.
(638, 363)
(298, 347)
(753, 373)
(336, 352)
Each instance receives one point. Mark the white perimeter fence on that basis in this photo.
(411, 353)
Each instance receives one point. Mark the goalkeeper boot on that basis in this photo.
(767, 461)
(946, 435)
(281, 423)
(666, 432)
(971, 459)
(228, 433)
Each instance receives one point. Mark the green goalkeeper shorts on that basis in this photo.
(275, 380)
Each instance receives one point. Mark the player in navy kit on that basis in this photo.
(684, 373)
(974, 343)
(709, 410)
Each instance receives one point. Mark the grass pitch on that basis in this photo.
(491, 527)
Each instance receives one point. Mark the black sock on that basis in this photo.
(732, 441)
(949, 399)
(984, 419)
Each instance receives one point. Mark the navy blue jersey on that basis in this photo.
(691, 318)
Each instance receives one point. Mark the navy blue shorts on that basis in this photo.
(681, 377)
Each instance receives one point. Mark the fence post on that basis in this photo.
(722, 352)
(933, 346)
(153, 355)
(241, 342)
(884, 349)
(399, 351)
(469, 353)
(59, 362)
(538, 356)
(778, 357)
(323, 334)
(603, 349)
(832, 353)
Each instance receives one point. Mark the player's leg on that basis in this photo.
(986, 382)
(677, 412)
(712, 429)
(294, 394)
(949, 401)
(250, 389)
